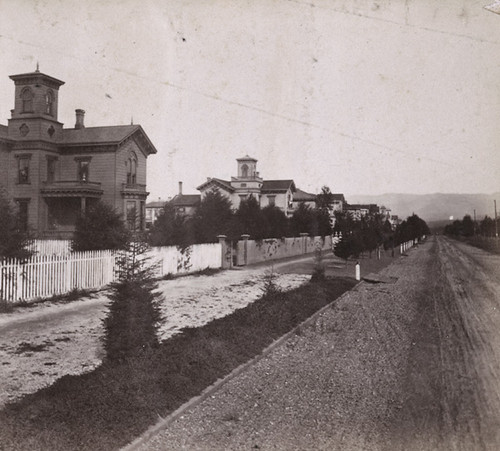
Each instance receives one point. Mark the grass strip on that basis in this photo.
(109, 407)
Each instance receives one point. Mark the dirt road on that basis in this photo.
(413, 365)
(453, 382)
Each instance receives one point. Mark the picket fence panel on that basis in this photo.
(50, 247)
(43, 276)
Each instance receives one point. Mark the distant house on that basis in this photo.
(303, 197)
(55, 173)
(185, 204)
(338, 200)
(359, 211)
(153, 210)
(249, 183)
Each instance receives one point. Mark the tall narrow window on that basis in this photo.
(244, 171)
(83, 170)
(131, 165)
(27, 100)
(131, 215)
(49, 103)
(51, 169)
(23, 169)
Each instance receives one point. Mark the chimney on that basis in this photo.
(80, 115)
(180, 188)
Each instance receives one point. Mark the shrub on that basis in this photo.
(100, 228)
(13, 239)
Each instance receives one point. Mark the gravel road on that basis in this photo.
(409, 365)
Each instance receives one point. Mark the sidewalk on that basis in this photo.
(332, 385)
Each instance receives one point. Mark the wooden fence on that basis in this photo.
(50, 247)
(42, 276)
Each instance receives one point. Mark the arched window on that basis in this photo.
(49, 103)
(27, 99)
(244, 171)
(131, 165)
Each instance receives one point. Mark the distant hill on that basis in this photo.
(433, 207)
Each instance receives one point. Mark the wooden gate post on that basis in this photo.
(222, 240)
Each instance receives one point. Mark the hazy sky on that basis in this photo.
(365, 97)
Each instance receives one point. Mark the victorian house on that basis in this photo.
(248, 182)
(55, 173)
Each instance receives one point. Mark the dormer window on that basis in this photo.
(49, 103)
(27, 100)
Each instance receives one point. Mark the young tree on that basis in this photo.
(324, 200)
(322, 219)
(487, 226)
(213, 217)
(275, 222)
(468, 226)
(13, 239)
(303, 220)
(249, 219)
(131, 326)
(100, 228)
(413, 227)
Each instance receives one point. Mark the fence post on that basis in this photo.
(223, 244)
(304, 243)
(245, 237)
(19, 281)
(67, 280)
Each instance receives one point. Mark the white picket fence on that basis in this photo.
(42, 276)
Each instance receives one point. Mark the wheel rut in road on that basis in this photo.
(452, 381)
